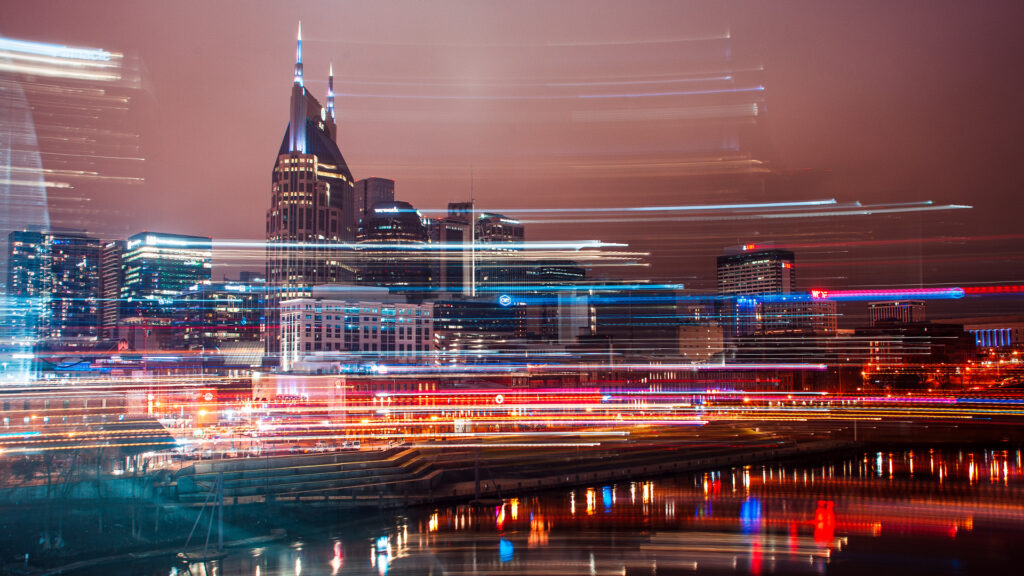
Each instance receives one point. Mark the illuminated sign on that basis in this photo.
(505, 300)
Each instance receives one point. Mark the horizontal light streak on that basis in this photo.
(481, 247)
(865, 211)
(897, 294)
(676, 208)
(54, 50)
(512, 97)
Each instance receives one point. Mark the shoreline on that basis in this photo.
(247, 522)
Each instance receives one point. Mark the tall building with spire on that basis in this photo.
(310, 219)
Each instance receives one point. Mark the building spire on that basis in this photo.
(297, 121)
(298, 56)
(330, 91)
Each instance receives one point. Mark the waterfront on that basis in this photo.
(922, 511)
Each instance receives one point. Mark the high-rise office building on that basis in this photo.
(368, 192)
(393, 254)
(479, 252)
(73, 283)
(25, 263)
(498, 252)
(452, 258)
(54, 283)
(311, 206)
(498, 229)
(158, 267)
(111, 278)
(753, 272)
(744, 274)
(26, 288)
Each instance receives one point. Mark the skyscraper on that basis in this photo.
(311, 206)
(393, 241)
(73, 284)
(482, 250)
(498, 251)
(25, 263)
(26, 288)
(54, 279)
(748, 271)
(453, 237)
(763, 315)
(744, 274)
(368, 192)
(111, 278)
(158, 267)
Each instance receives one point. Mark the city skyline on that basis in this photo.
(519, 287)
(389, 117)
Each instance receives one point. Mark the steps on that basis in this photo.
(390, 472)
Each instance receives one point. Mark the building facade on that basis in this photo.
(311, 214)
(73, 283)
(453, 236)
(898, 311)
(498, 252)
(994, 331)
(393, 249)
(26, 287)
(53, 281)
(111, 279)
(744, 275)
(368, 192)
(213, 313)
(158, 267)
(743, 272)
(387, 332)
(787, 315)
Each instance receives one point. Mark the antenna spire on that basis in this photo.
(298, 56)
(330, 91)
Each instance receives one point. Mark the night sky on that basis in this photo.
(583, 104)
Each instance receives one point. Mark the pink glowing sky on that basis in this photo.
(880, 101)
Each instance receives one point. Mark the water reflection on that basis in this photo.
(930, 506)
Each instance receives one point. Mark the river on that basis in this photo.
(923, 511)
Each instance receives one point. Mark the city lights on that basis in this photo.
(530, 288)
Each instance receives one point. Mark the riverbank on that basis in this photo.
(155, 522)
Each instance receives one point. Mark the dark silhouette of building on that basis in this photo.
(499, 253)
(368, 192)
(393, 250)
(452, 235)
